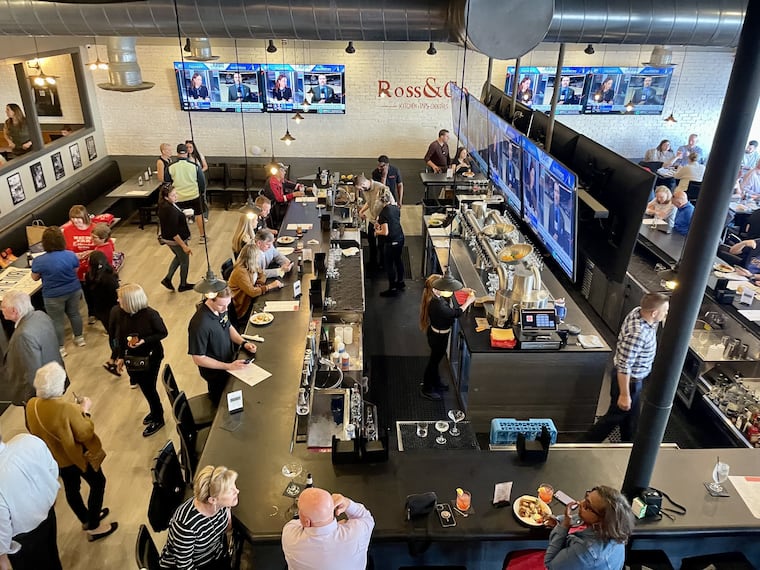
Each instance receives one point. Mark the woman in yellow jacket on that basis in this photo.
(68, 431)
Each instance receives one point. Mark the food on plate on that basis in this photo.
(723, 268)
(435, 223)
(532, 509)
(261, 318)
(286, 239)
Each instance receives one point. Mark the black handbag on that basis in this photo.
(420, 504)
(137, 363)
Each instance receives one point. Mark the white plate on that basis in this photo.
(286, 239)
(723, 268)
(529, 521)
(261, 319)
(435, 223)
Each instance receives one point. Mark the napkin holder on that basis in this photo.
(534, 451)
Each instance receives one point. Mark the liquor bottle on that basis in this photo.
(309, 481)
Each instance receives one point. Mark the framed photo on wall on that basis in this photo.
(38, 176)
(76, 158)
(92, 152)
(58, 168)
(46, 100)
(16, 188)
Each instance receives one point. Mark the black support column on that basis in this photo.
(739, 107)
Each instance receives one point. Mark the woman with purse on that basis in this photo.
(136, 331)
(68, 431)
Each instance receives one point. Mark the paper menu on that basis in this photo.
(251, 374)
(306, 199)
(304, 227)
(748, 489)
(281, 306)
(752, 315)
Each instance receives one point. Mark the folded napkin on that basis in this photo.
(590, 341)
(313, 242)
(503, 338)
(350, 251)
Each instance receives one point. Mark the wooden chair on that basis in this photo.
(193, 439)
(202, 407)
(146, 553)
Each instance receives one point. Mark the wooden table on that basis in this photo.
(142, 195)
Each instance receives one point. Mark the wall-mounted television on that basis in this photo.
(304, 88)
(504, 161)
(593, 90)
(214, 86)
(550, 204)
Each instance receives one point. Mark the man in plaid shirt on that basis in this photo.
(634, 355)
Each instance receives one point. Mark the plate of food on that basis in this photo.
(435, 223)
(261, 319)
(531, 511)
(723, 268)
(286, 239)
(468, 174)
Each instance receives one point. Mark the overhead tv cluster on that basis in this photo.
(538, 188)
(258, 87)
(593, 90)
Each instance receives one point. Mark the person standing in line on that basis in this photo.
(388, 225)
(176, 235)
(137, 330)
(101, 283)
(437, 155)
(317, 541)
(32, 344)
(190, 183)
(163, 162)
(68, 431)
(634, 356)
(199, 525)
(213, 343)
(61, 289)
(389, 175)
(28, 488)
(197, 158)
(437, 316)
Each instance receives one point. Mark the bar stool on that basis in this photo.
(193, 439)
(169, 488)
(717, 561)
(202, 407)
(146, 553)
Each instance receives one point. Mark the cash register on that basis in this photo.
(538, 330)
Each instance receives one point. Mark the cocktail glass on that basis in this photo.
(545, 492)
(456, 416)
(291, 471)
(463, 500)
(442, 426)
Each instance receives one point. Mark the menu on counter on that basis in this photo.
(251, 374)
(18, 279)
(748, 488)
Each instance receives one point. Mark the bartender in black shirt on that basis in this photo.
(388, 224)
(437, 315)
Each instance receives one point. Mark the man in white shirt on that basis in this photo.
(750, 158)
(272, 261)
(28, 488)
(318, 541)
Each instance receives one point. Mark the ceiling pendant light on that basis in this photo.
(97, 64)
(447, 284)
(288, 138)
(431, 50)
(629, 107)
(350, 48)
(250, 209)
(298, 117)
(41, 79)
(671, 119)
(271, 48)
(187, 47)
(589, 50)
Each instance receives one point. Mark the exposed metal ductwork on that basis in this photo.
(123, 69)
(666, 22)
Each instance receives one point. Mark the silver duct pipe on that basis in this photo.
(123, 69)
(667, 22)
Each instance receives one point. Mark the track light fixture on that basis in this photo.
(589, 50)
(271, 48)
(350, 48)
(431, 50)
(187, 45)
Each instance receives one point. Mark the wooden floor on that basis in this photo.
(118, 410)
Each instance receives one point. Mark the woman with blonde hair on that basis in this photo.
(244, 233)
(136, 331)
(437, 315)
(661, 207)
(248, 280)
(68, 431)
(198, 527)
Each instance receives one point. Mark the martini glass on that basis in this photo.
(442, 426)
(291, 471)
(456, 416)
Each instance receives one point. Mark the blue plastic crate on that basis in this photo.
(504, 430)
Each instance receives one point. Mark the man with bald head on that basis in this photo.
(317, 540)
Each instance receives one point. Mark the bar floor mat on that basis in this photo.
(395, 388)
(408, 440)
(408, 275)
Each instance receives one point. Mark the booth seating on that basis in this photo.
(88, 188)
(233, 180)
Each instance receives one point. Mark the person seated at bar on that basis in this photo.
(749, 185)
(461, 162)
(244, 233)
(661, 153)
(599, 543)
(265, 205)
(684, 212)
(683, 152)
(749, 251)
(437, 155)
(749, 158)
(213, 343)
(272, 261)
(662, 207)
(316, 541)
(692, 171)
(248, 281)
(281, 191)
(199, 525)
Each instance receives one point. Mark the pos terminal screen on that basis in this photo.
(537, 320)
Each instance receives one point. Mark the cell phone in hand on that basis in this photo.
(445, 515)
(563, 498)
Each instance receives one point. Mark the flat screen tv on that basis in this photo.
(459, 101)
(305, 88)
(536, 88)
(478, 140)
(550, 204)
(632, 90)
(504, 161)
(215, 86)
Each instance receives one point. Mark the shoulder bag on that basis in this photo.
(137, 363)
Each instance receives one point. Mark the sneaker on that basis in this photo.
(79, 341)
(186, 287)
(167, 283)
(91, 320)
(388, 293)
(63, 352)
(152, 428)
(435, 396)
(202, 240)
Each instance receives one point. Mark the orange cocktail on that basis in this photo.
(463, 500)
(546, 493)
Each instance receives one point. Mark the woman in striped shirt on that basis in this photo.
(197, 529)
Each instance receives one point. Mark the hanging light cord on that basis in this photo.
(182, 57)
(242, 115)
